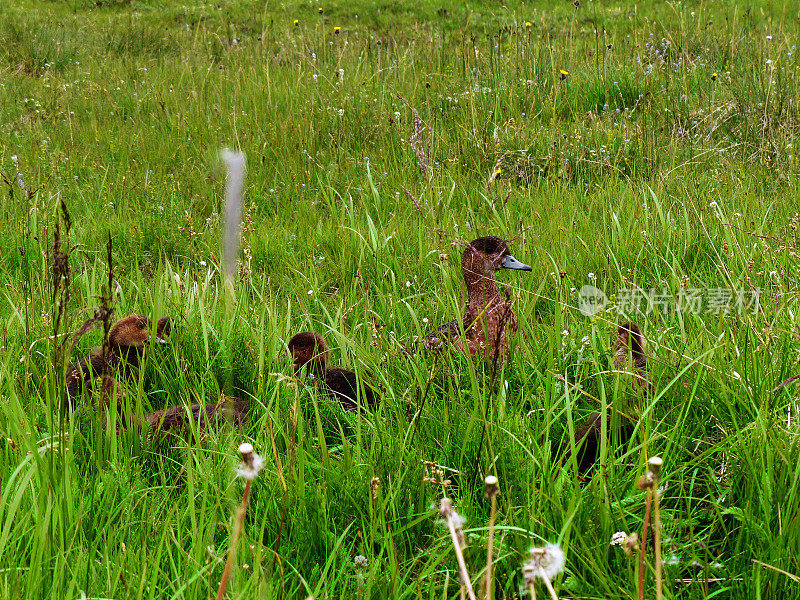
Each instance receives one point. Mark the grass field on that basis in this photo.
(639, 148)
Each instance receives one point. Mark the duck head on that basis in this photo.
(488, 254)
(308, 348)
(130, 334)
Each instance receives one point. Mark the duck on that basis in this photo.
(310, 351)
(629, 353)
(126, 343)
(163, 329)
(588, 439)
(176, 418)
(489, 323)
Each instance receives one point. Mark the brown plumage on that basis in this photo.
(588, 438)
(629, 354)
(489, 321)
(126, 343)
(164, 328)
(127, 340)
(310, 351)
(175, 420)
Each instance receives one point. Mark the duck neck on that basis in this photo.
(315, 367)
(129, 355)
(481, 289)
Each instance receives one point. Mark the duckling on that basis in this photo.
(126, 342)
(163, 329)
(588, 440)
(309, 350)
(489, 322)
(629, 351)
(176, 418)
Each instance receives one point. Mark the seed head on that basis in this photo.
(375, 486)
(453, 519)
(545, 563)
(492, 487)
(628, 543)
(655, 464)
(251, 463)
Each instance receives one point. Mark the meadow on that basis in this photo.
(645, 149)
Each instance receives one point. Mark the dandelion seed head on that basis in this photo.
(491, 486)
(545, 563)
(618, 538)
(251, 463)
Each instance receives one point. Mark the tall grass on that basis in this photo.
(664, 160)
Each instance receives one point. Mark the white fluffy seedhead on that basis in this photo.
(545, 563)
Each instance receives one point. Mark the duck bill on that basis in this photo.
(509, 262)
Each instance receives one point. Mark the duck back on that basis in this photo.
(342, 385)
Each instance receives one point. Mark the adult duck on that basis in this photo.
(489, 322)
(310, 352)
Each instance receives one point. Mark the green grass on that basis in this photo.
(664, 160)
